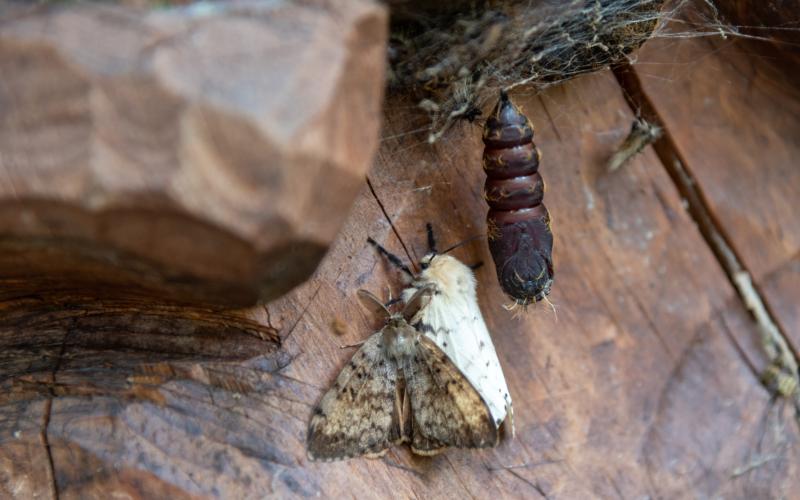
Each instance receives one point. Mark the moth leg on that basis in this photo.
(393, 301)
(373, 456)
(357, 344)
(392, 258)
(510, 420)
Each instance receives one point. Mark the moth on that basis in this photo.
(641, 135)
(399, 387)
(453, 320)
(519, 234)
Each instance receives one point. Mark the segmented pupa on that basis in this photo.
(520, 239)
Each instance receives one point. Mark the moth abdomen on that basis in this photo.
(519, 224)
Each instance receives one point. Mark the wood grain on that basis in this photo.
(764, 24)
(640, 387)
(635, 290)
(191, 154)
(641, 383)
(735, 123)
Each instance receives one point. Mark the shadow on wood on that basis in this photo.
(197, 154)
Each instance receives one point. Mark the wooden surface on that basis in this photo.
(642, 383)
(207, 153)
(752, 181)
(766, 21)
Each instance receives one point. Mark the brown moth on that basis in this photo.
(399, 387)
(642, 134)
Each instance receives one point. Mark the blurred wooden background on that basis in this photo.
(644, 381)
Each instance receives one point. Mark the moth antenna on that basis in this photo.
(373, 304)
(392, 258)
(462, 243)
(431, 238)
(419, 300)
(350, 346)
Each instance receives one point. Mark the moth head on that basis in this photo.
(425, 263)
(442, 257)
(442, 263)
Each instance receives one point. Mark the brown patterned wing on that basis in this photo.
(359, 415)
(446, 409)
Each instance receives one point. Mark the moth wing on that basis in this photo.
(455, 323)
(359, 414)
(446, 409)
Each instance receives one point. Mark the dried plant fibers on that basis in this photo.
(456, 55)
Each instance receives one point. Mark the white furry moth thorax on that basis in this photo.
(399, 387)
(453, 320)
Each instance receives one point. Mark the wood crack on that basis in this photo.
(783, 358)
(649, 434)
(459, 479)
(48, 408)
(533, 485)
(636, 300)
(51, 472)
(300, 317)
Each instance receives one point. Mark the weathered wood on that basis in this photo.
(735, 123)
(771, 30)
(634, 389)
(207, 153)
(76, 373)
(642, 383)
(639, 297)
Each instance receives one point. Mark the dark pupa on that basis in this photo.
(519, 224)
